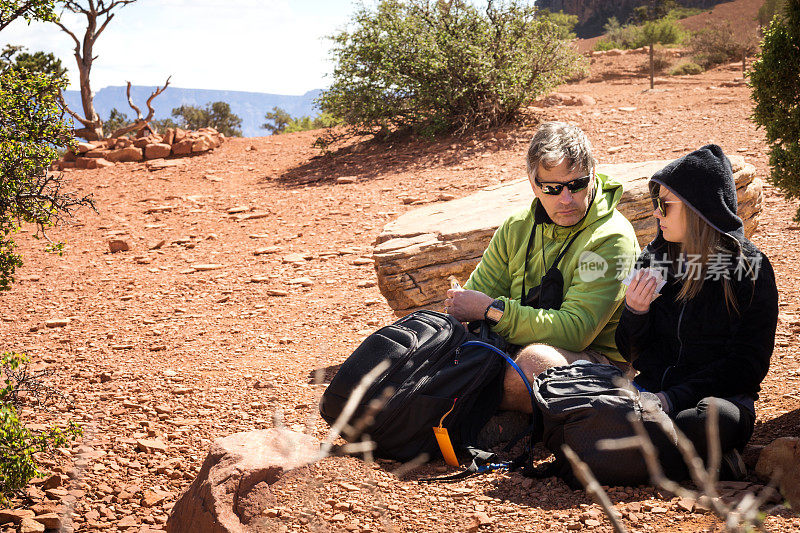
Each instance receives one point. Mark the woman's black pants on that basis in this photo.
(735, 427)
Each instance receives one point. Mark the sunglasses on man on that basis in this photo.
(662, 205)
(572, 186)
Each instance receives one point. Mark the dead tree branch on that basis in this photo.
(95, 11)
(141, 122)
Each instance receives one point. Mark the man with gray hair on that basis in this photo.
(550, 280)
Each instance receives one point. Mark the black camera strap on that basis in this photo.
(555, 263)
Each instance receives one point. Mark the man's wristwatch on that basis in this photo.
(494, 313)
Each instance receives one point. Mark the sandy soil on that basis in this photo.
(221, 328)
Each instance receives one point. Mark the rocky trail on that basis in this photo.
(249, 272)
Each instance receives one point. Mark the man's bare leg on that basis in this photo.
(533, 360)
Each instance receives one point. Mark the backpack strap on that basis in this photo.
(482, 462)
(511, 362)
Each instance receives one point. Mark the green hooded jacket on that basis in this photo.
(593, 268)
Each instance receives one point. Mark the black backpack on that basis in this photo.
(581, 404)
(437, 367)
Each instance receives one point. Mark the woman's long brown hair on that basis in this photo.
(701, 241)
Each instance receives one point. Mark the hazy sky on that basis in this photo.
(271, 46)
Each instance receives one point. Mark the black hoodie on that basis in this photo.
(699, 348)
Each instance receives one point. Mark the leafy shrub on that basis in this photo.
(686, 68)
(684, 12)
(36, 63)
(624, 37)
(431, 67)
(161, 125)
(276, 120)
(604, 44)
(564, 22)
(215, 115)
(323, 120)
(775, 82)
(665, 30)
(721, 44)
(768, 10)
(32, 132)
(116, 120)
(18, 444)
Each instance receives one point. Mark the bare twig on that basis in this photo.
(351, 405)
(595, 490)
(411, 465)
(743, 517)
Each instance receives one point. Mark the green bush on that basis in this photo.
(722, 43)
(686, 68)
(276, 120)
(604, 44)
(775, 83)
(665, 30)
(564, 22)
(432, 67)
(323, 120)
(684, 12)
(280, 121)
(32, 131)
(18, 444)
(625, 37)
(215, 115)
(116, 120)
(161, 125)
(37, 63)
(768, 10)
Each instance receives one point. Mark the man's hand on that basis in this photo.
(641, 291)
(466, 305)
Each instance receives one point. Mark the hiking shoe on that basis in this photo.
(502, 427)
(732, 467)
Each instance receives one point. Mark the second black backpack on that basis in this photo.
(583, 403)
(437, 368)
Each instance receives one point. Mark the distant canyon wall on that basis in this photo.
(593, 14)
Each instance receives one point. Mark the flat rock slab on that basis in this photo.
(415, 254)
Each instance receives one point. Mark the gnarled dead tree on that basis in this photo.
(98, 14)
(140, 123)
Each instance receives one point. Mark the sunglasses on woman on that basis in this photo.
(572, 186)
(662, 205)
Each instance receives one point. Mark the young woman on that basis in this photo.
(709, 334)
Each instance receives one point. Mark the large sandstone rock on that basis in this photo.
(131, 153)
(169, 135)
(232, 488)
(415, 254)
(183, 147)
(781, 459)
(157, 150)
(203, 144)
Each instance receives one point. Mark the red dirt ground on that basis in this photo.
(157, 349)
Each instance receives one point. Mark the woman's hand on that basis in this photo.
(466, 305)
(640, 292)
